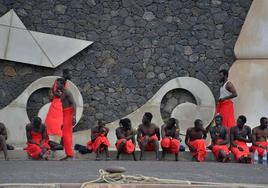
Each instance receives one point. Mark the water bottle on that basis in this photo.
(264, 157)
(256, 157)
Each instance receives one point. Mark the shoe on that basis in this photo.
(67, 158)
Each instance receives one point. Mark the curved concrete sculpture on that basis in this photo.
(204, 109)
(249, 72)
(15, 117)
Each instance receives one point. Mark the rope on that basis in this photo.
(120, 178)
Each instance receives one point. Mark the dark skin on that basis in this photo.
(3, 138)
(170, 130)
(194, 133)
(125, 131)
(148, 129)
(219, 132)
(240, 132)
(260, 134)
(36, 128)
(98, 130)
(229, 86)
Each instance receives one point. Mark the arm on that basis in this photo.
(230, 87)
(254, 138)
(43, 136)
(213, 136)
(163, 132)
(94, 133)
(204, 133)
(232, 137)
(157, 132)
(249, 134)
(3, 130)
(139, 134)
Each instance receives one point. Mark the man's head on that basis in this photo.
(125, 123)
(241, 120)
(198, 124)
(147, 118)
(101, 123)
(66, 74)
(264, 122)
(36, 121)
(60, 83)
(172, 122)
(218, 120)
(223, 75)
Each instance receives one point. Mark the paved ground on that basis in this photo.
(81, 171)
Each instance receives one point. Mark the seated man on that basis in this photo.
(99, 141)
(241, 135)
(3, 138)
(220, 140)
(259, 137)
(195, 140)
(125, 138)
(170, 142)
(148, 135)
(37, 140)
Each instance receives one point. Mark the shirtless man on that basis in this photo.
(240, 136)
(148, 135)
(68, 107)
(3, 138)
(170, 142)
(99, 141)
(195, 140)
(125, 138)
(37, 140)
(259, 137)
(220, 140)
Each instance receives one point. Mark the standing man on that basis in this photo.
(259, 137)
(37, 140)
(99, 141)
(195, 140)
(240, 136)
(225, 106)
(68, 107)
(125, 138)
(170, 142)
(3, 138)
(220, 140)
(148, 135)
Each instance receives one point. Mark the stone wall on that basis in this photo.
(139, 46)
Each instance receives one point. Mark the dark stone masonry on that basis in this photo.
(139, 46)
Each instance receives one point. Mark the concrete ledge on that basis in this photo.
(20, 154)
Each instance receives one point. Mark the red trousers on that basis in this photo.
(200, 146)
(216, 149)
(94, 145)
(67, 131)
(34, 150)
(260, 150)
(129, 146)
(170, 145)
(150, 145)
(237, 153)
(226, 110)
(54, 119)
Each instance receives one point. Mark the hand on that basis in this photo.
(240, 149)
(192, 149)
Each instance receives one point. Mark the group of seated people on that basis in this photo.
(223, 141)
